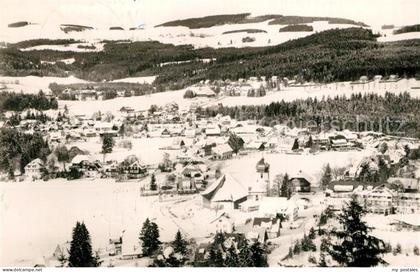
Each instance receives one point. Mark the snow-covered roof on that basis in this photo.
(226, 188)
(79, 158)
(274, 205)
(222, 149)
(303, 175)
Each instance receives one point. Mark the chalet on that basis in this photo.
(406, 223)
(301, 182)
(115, 247)
(127, 112)
(255, 145)
(34, 169)
(178, 143)
(134, 170)
(204, 92)
(408, 185)
(222, 152)
(190, 133)
(274, 206)
(105, 128)
(260, 228)
(213, 131)
(87, 165)
(225, 193)
(110, 169)
(223, 223)
(379, 200)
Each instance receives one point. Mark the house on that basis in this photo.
(212, 131)
(223, 223)
(133, 170)
(225, 192)
(301, 182)
(222, 152)
(409, 185)
(204, 92)
(255, 145)
(379, 200)
(274, 206)
(115, 247)
(87, 165)
(34, 169)
(407, 223)
(111, 169)
(260, 228)
(127, 112)
(178, 143)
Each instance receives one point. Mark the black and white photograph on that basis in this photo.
(209, 133)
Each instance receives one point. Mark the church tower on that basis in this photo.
(261, 184)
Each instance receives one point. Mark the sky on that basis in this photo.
(151, 12)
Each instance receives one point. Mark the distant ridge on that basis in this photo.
(245, 18)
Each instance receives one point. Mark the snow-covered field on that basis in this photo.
(328, 90)
(32, 84)
(38, 216)
(287, 94)
(135, 102)
(202, 37)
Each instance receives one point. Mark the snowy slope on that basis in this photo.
(202, 37)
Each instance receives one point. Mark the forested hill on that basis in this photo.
(337, 54)
(245, 18)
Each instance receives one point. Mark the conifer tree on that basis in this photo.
(149, 237)
(354, 247)
(232, 257)
(81, 249)
(326, 176)
(179, 244)
(295, 145)
(258, 255)
(153, 186)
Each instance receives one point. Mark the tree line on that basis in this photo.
(10, 101)
(390, 114)
(332, 55)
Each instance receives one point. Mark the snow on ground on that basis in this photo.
(32, 84)
(387, 35)
(203, 37)
(75, 47)
(146, 149)
(328, 90)
(147, 79)
(38, 216)
(135, 102)
(287, 94)
(291, 164)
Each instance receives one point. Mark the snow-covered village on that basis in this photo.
(241, 150)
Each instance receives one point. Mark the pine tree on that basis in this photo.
(354, 246)
(416, 251)
(244, 255)
(107, 144)
(295, 145)
(258, 255)
(309, 143)
(232, 257)
(284, 189)
(153, 185)
(235, 142)
(81, 249)
(149, 237)
(179, 244)
(326, 176)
